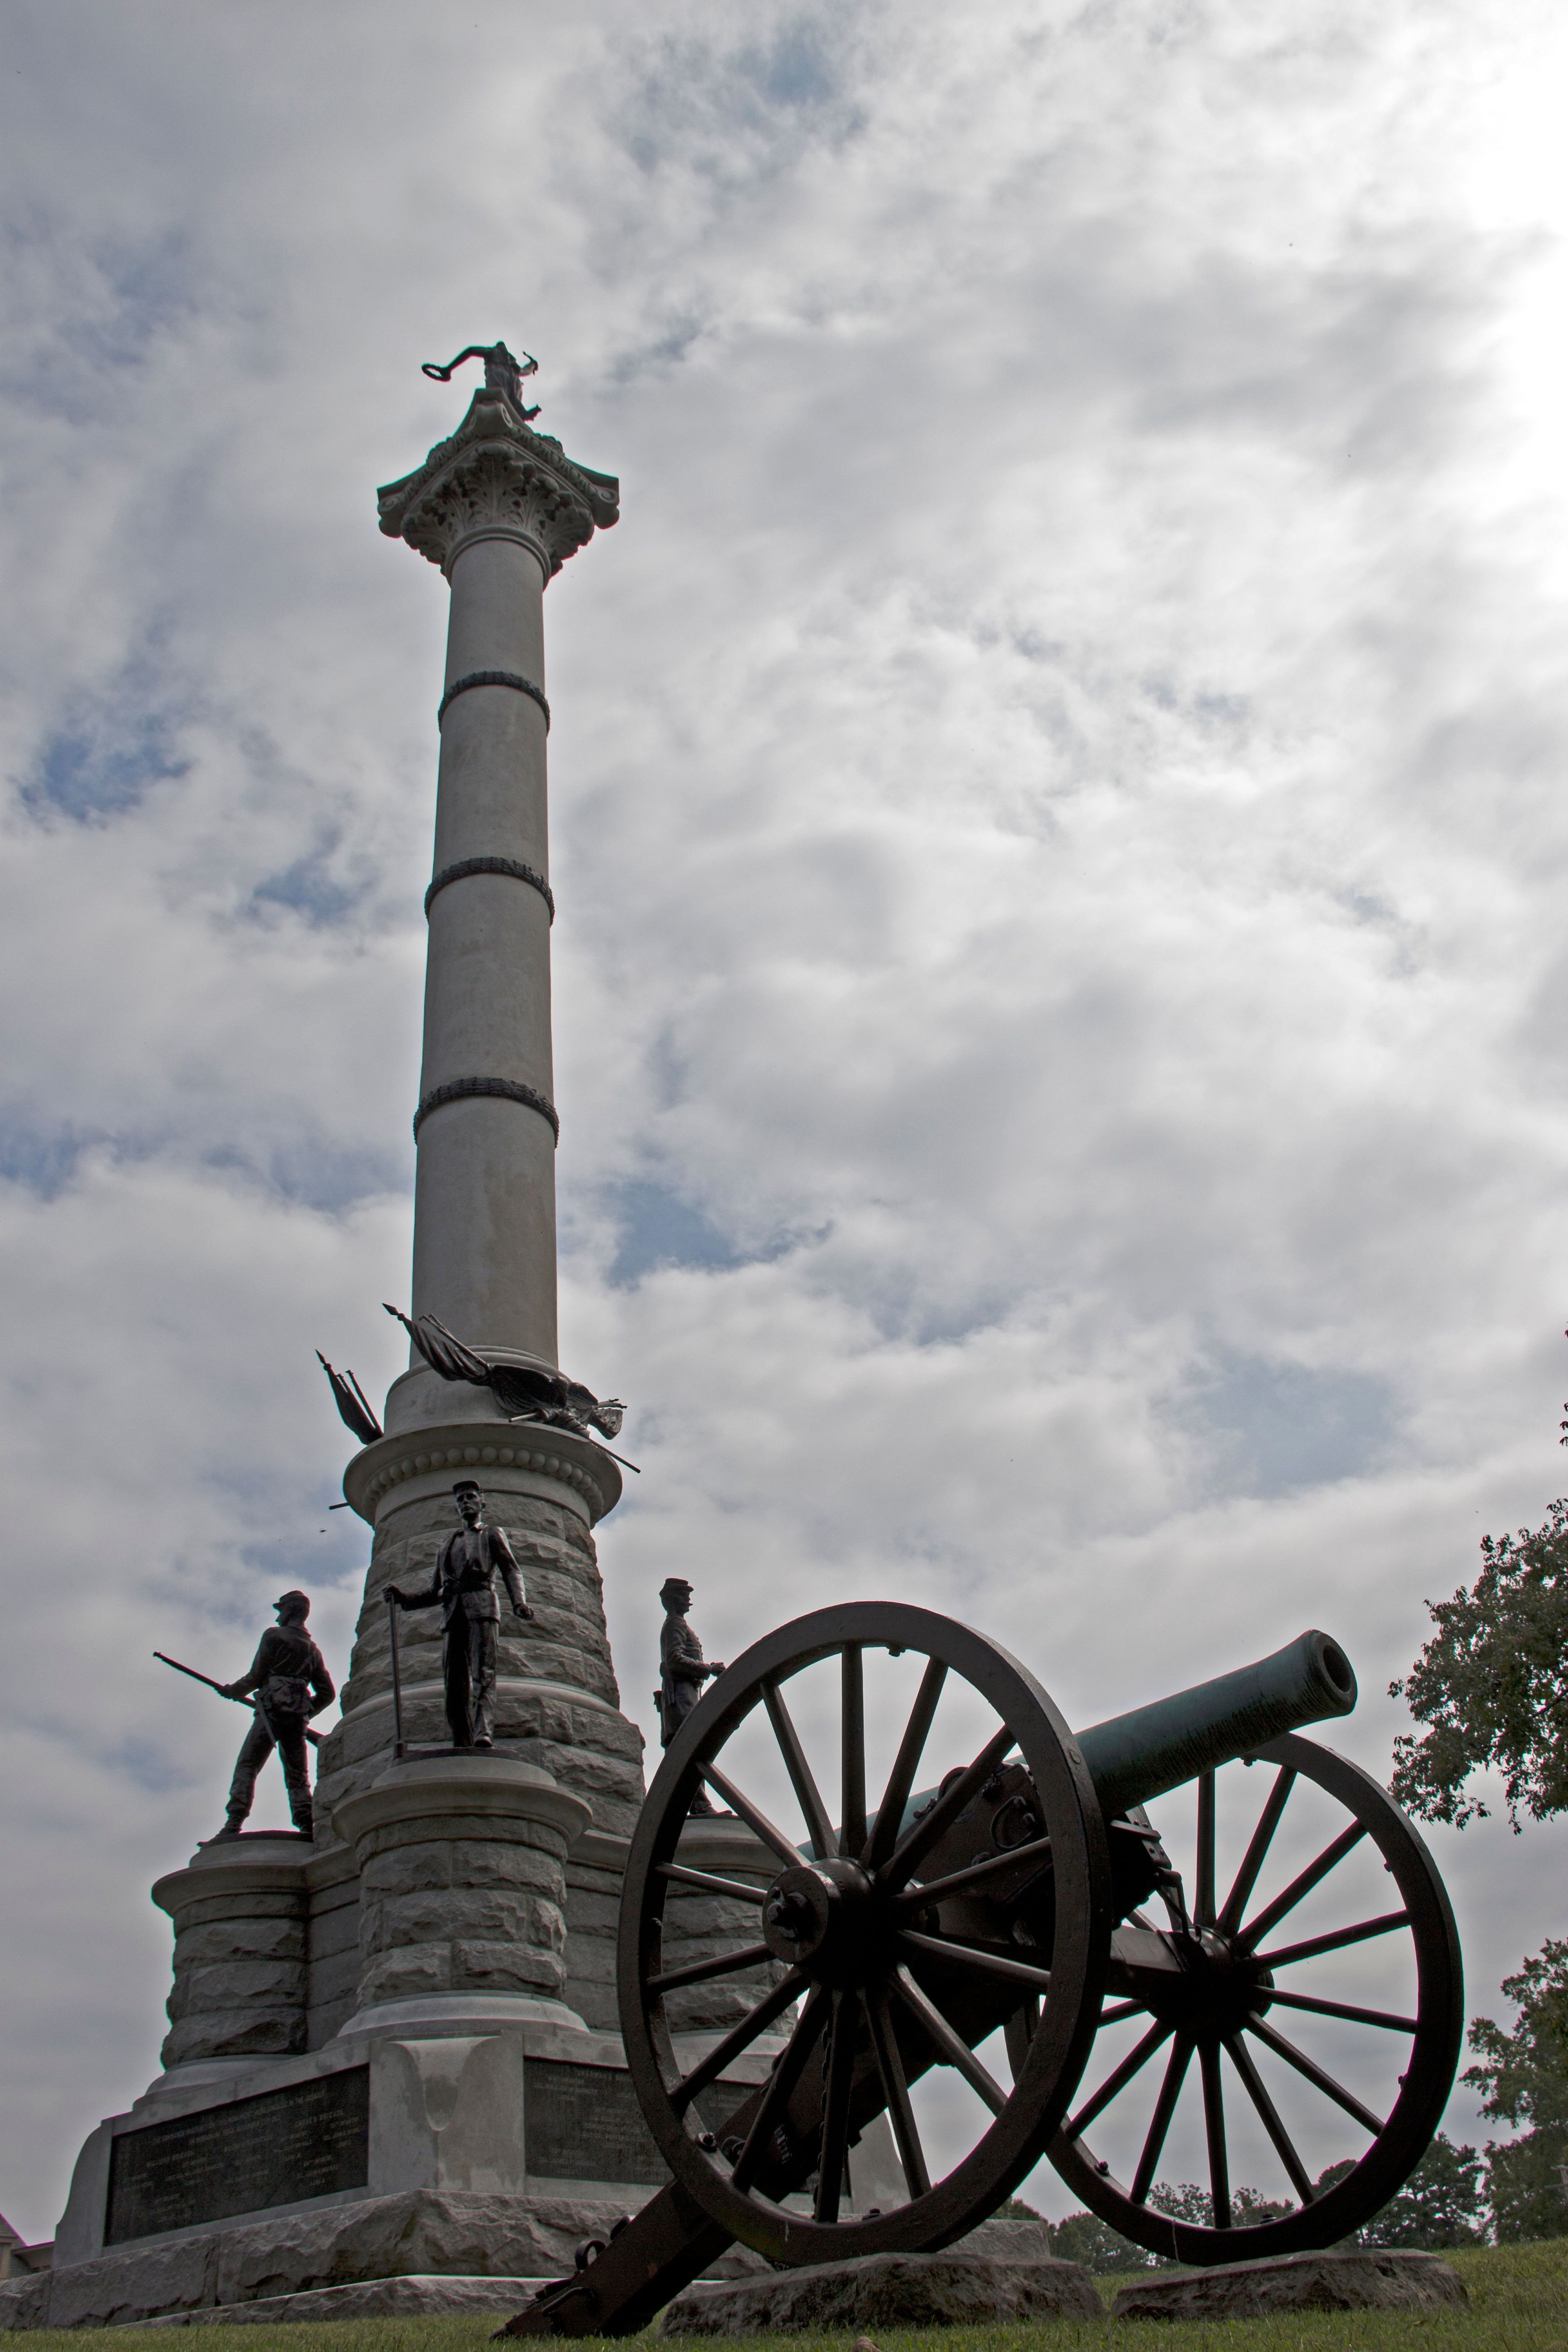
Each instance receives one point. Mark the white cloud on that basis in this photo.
(1058, 834)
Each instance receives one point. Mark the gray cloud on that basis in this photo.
(1056, 832)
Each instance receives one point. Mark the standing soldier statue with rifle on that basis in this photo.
(682, 1671)
(290, 1683)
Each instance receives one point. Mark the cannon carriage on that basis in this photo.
(1020, 1929)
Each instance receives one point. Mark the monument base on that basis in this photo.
(376, 2241)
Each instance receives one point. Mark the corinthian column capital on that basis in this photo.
(494, 478)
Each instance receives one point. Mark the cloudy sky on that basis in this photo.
(1058, 831)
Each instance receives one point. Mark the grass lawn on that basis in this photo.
(1519, 2302)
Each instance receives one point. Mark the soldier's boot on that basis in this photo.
(233, 1823)
(302, 1812)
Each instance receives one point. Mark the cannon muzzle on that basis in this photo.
(1137, 1756)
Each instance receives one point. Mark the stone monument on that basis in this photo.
(393, 2050)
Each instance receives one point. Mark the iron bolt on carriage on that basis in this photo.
(1025, 1906)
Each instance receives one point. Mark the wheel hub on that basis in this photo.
(1214, 1988)
(825, 1918)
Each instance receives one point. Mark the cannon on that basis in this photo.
(1025, 1907)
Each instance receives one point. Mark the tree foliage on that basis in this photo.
(1491, 1685)
(1443, 2203)
(1523, 2076)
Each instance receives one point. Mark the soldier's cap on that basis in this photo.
(468, 1486)
(674, 1584)
(301, 1600)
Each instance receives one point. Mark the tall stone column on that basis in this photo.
(498, 508)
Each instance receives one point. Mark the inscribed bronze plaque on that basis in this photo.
(310, 2139)
(583, 2123)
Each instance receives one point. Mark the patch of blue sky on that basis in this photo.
(659, 1229)
(147, 1768)
(43, 1160)
(1272, 1429)
(102, 763)
(317, 1173)
(128, 297)
(729, 111)
(309, 887)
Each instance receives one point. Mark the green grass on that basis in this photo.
(1519, 2302)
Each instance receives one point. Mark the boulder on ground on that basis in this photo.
(886, 2291)
(1374, 2278)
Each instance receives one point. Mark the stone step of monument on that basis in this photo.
(1374, 2278)
(426, 2296)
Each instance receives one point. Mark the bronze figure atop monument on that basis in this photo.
(464, 1588)
(290, 1682)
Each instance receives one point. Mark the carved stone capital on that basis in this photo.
(495, 479)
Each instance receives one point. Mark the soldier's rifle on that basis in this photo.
(313, 1737)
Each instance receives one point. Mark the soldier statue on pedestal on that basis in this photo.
(290, 1679)
(682, 1671)
(464, 1586)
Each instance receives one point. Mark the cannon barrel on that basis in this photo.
(1139, 1756)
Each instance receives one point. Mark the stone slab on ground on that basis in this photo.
(994, 2241)
(1359, 2279)
(393, 2298)
(886, 2291)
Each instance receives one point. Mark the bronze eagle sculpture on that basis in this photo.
(523, 1392)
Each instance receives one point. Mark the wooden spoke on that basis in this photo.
(1257, 2091)
(754, 1818)
(1310, 1951)
(1343, 2009)
(923, 1834)
(1257, 1847)
(1119, 2010)
(1314, 2074)
(736, 1888)
(935, 1890)
(836, 2108)
(813, 1813)
(1160, 2124)
(852, 1721)
(699, 1970)
(1137, 2058)
(788, 2069)
(1299, 1888)
(1214, 2128)
(896, 2091)
(906, 1764)
(1203, 1890)
(996, 1964)
(951, 2049)
(740, 2037)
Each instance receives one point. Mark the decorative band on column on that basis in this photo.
(495, 678)
(519, 871)
(509, 1089)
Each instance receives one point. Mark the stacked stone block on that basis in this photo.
(462, 1883)
(240, 1913)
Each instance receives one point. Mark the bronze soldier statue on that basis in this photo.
(290, 1679)
(464, 1586)
(682, 1671)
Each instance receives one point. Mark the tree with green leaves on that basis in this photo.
(1491, 1685)
(1524, 2077)
(1443, 2203)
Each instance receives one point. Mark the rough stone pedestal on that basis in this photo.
(461, 1863)
(240, 1911)
(1374, 2278)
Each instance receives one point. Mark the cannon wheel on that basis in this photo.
(857, 1990)
(1238, 1999)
